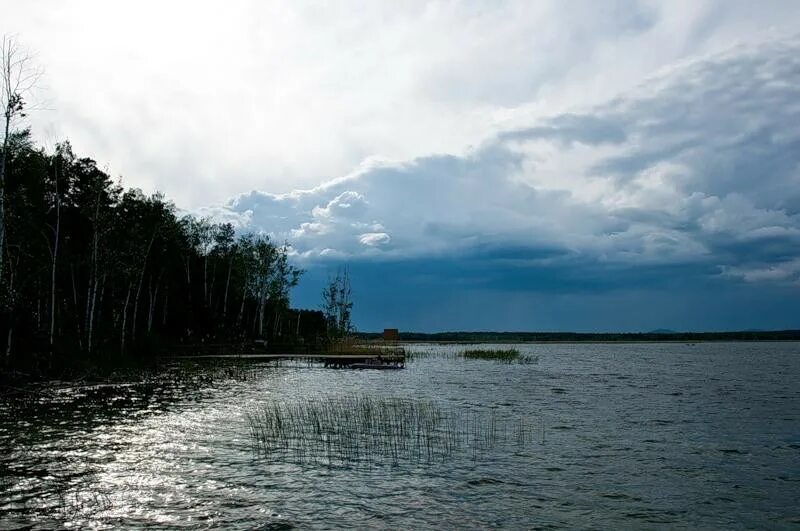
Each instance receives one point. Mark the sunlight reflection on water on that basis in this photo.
(648, 435)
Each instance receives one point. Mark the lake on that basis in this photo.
(619, 436)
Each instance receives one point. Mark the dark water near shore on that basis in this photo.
(627, 436)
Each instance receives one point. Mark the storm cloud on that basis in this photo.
(698, 166)
(588, 165)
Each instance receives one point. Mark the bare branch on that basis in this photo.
(18, 77)
(18, 74)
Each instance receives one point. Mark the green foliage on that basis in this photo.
(511, 355)
(92, 269)
(337, 305)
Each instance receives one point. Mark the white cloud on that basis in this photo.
(515, 124)
(200, 99)
(700, 165)
(345, 205)
(374, 239)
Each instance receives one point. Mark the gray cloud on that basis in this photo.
(699, 165)
(237, 95)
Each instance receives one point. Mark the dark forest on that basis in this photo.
(94, 271)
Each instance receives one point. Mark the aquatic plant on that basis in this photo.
(511, 355)
(367, 430)
(507, 355)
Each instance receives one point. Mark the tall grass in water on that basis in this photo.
(507, 355)
(357, 429)
(511, 355)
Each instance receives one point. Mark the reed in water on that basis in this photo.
(510, 355)
(507, 355)
(363, 429)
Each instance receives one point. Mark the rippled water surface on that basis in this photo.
(625, 436)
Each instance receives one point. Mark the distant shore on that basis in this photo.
(590, 337)
(595, 341)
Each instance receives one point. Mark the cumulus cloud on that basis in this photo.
(698, 165)
(374, 239)
(488, 146)
(223, 96)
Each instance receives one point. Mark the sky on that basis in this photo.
(550, 165)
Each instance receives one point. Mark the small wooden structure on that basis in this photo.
(391, 334)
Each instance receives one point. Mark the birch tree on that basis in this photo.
(337, 305)
(18, 77)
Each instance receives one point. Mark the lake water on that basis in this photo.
(623, 436)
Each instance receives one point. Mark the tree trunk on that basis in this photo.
(152, 308)
(188, 267)
(55, 259)
(92, 314)
(91, 297)
(3, 159)
(75, 304)
(227, 286)
(139, 288)
(240, 318)
(125, 318)
(9, 340)
(205, 279)
(211, 287)
(12, 303)
(261, 304)
(153, 294)
(91, 289)
(166, 303)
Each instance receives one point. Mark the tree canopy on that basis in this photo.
(92, 268)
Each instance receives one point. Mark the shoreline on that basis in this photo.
(589, 341)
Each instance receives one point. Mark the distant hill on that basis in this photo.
(656, 335)
(662, 331)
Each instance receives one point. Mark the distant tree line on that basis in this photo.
(478, 337)
(93, 269)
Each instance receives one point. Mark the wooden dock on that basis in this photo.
(368, 358)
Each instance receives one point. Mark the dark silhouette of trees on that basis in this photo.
(337, 305)
(92, 270)
(18, 76)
